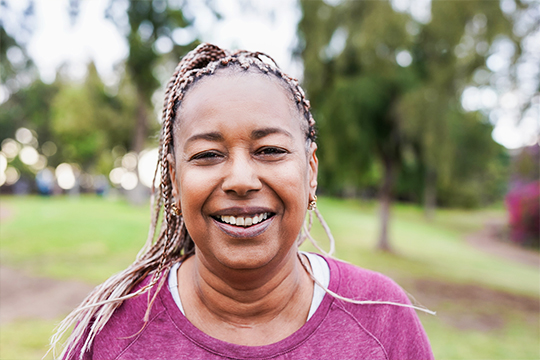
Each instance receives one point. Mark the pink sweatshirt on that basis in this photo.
(337, 330)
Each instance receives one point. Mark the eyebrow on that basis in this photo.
(259, 134)
(211, 136)
(255, 135)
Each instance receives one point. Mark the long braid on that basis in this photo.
(173, 242)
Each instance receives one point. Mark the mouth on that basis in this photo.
(244, 221)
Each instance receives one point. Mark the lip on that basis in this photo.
(242, 232)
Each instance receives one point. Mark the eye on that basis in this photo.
(206, 157)
(271, 152)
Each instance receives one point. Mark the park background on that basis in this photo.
(428, 117)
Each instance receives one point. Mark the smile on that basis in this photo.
(243, 221)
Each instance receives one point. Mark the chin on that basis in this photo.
(246, 259)
(267, 250)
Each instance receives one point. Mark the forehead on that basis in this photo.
(224, 99)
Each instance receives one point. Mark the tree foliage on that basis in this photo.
(148, 22)
(86, 119)
(386, 93)
(88, 122)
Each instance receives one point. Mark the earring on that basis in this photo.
(175, 210)
(313, 203)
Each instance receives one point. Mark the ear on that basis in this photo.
(174, 184)
(313, 170)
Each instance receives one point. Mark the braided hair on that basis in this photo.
(172, 243)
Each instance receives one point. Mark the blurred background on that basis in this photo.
(429, 124)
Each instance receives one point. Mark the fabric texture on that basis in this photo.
(337, 330)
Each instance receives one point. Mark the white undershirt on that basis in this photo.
(319, 266)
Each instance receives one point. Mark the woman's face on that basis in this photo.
(242, 174)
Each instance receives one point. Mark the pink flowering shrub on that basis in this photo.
(523, 205)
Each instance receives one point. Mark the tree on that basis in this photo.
(88, 122)
(17, 71)
(447, 52)
(28, 107)
(150, 23)
(14, 60)
(355, 85)
(386, 87)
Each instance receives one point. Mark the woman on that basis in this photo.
(225, 279)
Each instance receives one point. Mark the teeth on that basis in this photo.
(244, 221)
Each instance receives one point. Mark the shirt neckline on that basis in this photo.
(318, 264)
(230, 350)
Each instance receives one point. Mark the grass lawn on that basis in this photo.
(26, 339)
(87, 238)
(90, 238)
(422, 249)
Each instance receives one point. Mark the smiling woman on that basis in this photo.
(231, 164)
(239, 173)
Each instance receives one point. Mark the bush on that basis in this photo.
(523, 204)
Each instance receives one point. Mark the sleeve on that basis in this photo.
(398, 328)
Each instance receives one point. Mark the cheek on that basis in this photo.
(290, 182)
(195, 186)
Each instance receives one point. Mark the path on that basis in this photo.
(488, 240)
(24, 297)
(481, 308)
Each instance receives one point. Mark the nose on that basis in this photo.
(241, 176)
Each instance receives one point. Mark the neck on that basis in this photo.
(222, 301)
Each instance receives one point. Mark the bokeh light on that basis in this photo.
(45, 180)
(40, 164)
(3, 162)
(116, 175)
(147, 165)
(3, 167)
(48, 148)
(86, 181)
(29, 155)
(404, 58)
(129, 161)
(10, 148)
(129, 180)
(24, 136)
(65, 176)
(12, 175)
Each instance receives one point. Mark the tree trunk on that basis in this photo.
(141, 128)
(140, 194)
(430, 194)
(385, 203)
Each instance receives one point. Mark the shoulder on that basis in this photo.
(396, 327)
(355, 281)
(127, 324)
(117, 332)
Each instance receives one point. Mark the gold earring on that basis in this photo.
(313, 203)
(175, 210)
